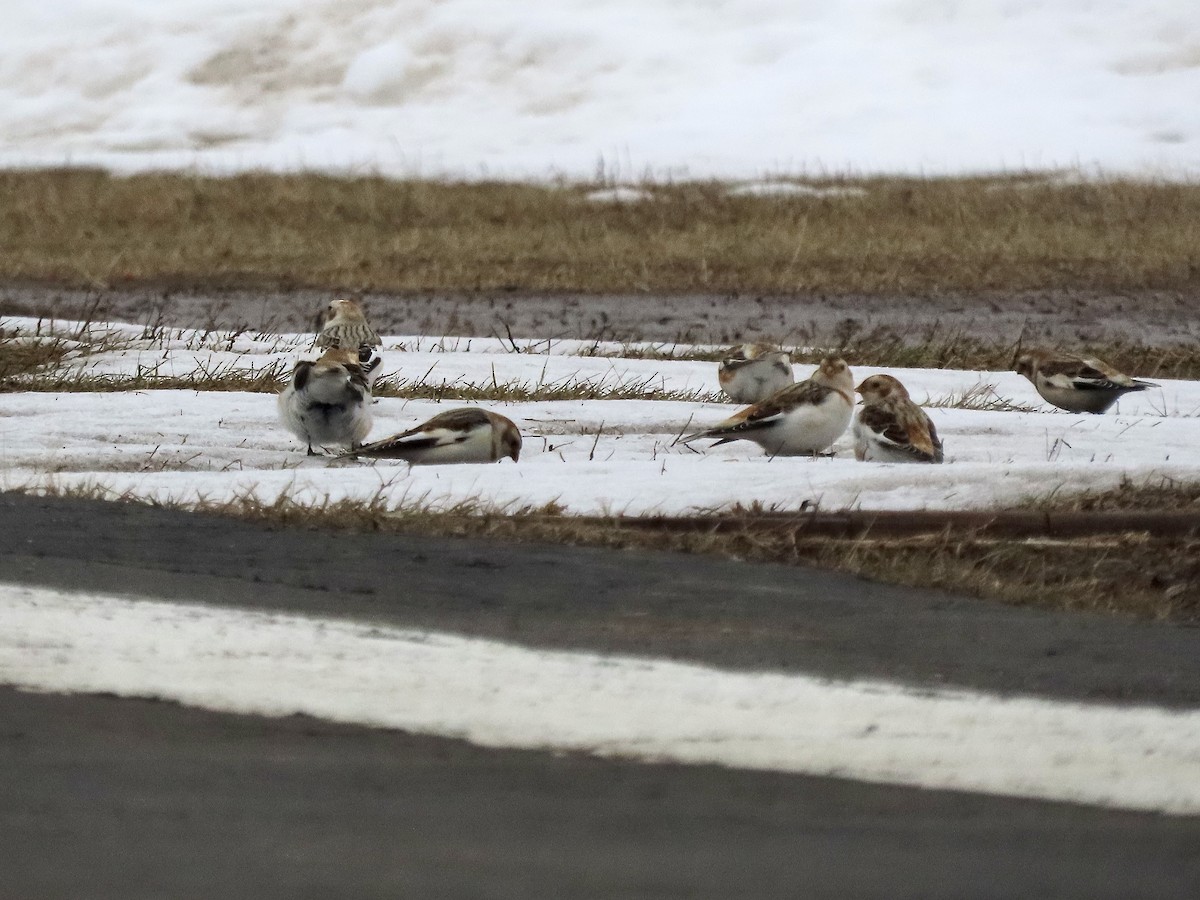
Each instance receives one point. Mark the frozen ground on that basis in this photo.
(596, 456)
(1056, 317)
(744, 89)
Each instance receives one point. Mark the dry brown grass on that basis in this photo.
(82, 227)
(1123, 573)
(1106, 574)
(1159, 494)
(53, 365)
(22, 358)
(48, 361)
(938, 347)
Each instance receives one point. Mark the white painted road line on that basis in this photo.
(501, 695)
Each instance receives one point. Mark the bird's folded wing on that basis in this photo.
(400, 446)
(769, 411)
(1080, 375)
(911, 437)
(766, 413)
(301, 373)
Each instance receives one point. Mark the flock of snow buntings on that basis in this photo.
(328, 403)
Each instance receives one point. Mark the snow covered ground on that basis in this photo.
(742, 89)
(588, 457)
(594, 456)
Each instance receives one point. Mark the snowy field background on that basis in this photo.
(740, 89)
(747, 90)
(589, 457)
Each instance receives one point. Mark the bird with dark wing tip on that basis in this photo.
(753, 372)
(890, 427)
(1078, 384)
(327, 401)
(467, 435)
(805, 418)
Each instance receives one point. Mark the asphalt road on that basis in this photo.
(103, 797)
(129, 799)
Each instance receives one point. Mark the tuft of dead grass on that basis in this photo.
(1158, 493)
(980, 397)
(1106, 574)
(1121, 573)
(888, 235)
(516, 391)
(48, 359)
(25, 357)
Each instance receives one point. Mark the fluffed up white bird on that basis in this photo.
(805, 418)
(889, 427)
(753, 372)
(327, 401)
(1078, 384)
(466, 435)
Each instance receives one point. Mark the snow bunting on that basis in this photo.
(344, 325)
(803, 418)
(370, 360)
(1078, 384)
(467, 435)
(753, 372)
(327, 401)
(890, 427)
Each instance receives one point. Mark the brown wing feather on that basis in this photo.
(763, 413)
(937, 452)
(1072, 368)
(881, 421)
(884, 422)
(300, 374)
(452, 419)
(806, 392)
(920, 438)
(358, 376)
(467, 417)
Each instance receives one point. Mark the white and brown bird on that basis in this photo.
(753, 372)
(1078, 384)
(889, 427)
(343, 324)
(467, 435)
(328, 401)
(805, 418)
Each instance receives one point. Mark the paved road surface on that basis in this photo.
(104, 797)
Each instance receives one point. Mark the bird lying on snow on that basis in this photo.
(803, 418)
(1078, 384)
(327, 401)
(753, 372)
(889, 427)
(467, 435)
